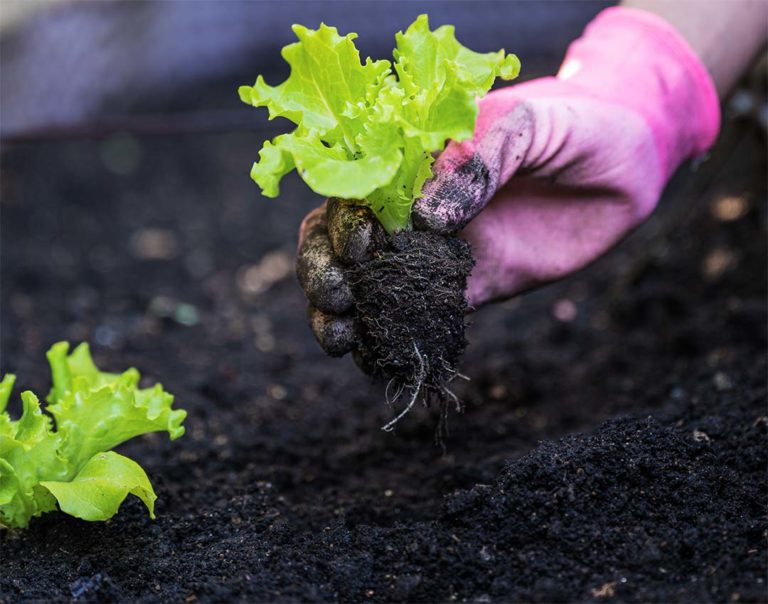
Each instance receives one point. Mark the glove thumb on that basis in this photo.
(467, 174)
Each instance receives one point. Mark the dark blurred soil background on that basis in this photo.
(613, 445)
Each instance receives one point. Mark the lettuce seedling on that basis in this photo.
(367, 131)
(71, 466)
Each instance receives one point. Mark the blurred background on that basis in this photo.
(79, 66)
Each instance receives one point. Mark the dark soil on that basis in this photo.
(613, 446)
(410, 314)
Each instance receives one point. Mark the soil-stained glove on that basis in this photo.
(332, 238)
(590, 151)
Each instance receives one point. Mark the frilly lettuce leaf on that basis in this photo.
(72, 464)
(368, 131)
(326, 169)
(96, 411)
(102, 484)
(29, 450)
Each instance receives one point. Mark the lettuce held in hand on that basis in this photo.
(368, 131)
(71, 466)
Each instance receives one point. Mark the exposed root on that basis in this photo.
(410, 309)
(415, 390)
(420, 390)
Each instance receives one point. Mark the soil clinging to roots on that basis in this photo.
(410, 314)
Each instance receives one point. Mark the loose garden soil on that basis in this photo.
(613, 445)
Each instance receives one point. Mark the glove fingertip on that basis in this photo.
(336, 335)
(329, 290)
(320, 275)
(453, 197)
(350, 229)
(426, 216)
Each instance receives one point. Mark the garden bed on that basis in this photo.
(612, 446)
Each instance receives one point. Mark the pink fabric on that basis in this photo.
(572, 163)
(659, 76)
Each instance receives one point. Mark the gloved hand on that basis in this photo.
(590, 151)
(334, 236)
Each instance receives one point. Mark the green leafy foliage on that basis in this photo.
(71, 466)
(99, 488)
(368, 131)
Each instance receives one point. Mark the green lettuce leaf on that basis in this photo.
(368, 131)
(28, 451)
(6, 386)
(94, 411)
(102, 484)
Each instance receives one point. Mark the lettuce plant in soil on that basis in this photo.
(368, 132)
(65, 460)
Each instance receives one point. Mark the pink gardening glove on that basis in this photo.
(561, 168)
(558, 171)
